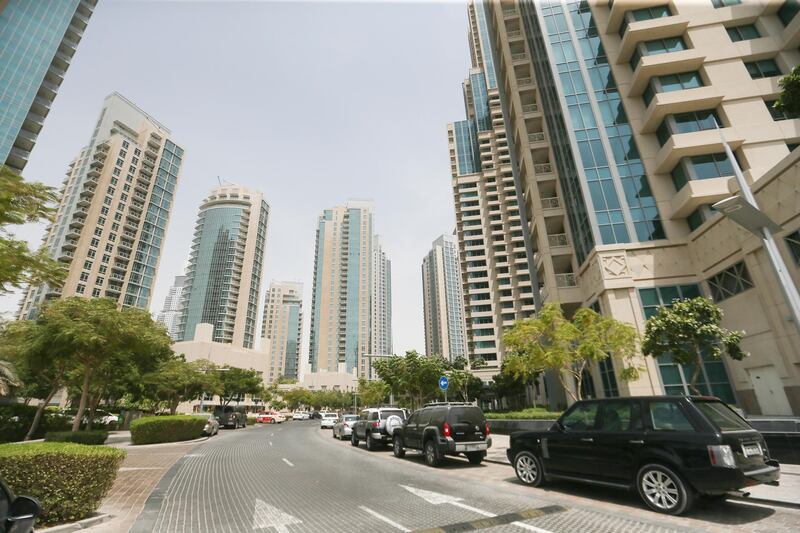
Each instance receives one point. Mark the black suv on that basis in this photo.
(17, 514)
(377, 425)
(669, 448)
(440, 429)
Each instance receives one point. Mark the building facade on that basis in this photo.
(283, 326)
(223, 279)
(443, 301)
(348, 296)
(170, 313)
(490, 226)
(114, 210)
(617, 113)
(38, 41)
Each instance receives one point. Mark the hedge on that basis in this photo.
(80, 437)
(252, 420)
(70, 480)
(533, 413)
(16, 419)
(153, 429)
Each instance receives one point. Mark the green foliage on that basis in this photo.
(294, 398)
(70, 480)
(94, 437)
(16, 419)
(464, 386)
(176, 381)
(252, 420)
(372, 393)
(532, 413)
(549, 341)
(8, 378)
(283, 380)
(789, 97)
(237, 382)
(688, 329)
(23, 202)
(510, 386)
(413, 377)
(153, 429)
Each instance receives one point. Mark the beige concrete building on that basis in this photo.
(283, 326)
(443, 300)
(617, 113)
(381, 301)
(114, 210)
(223, 278)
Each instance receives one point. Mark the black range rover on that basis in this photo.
(669, 448)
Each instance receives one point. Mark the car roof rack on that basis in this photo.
(438, 404)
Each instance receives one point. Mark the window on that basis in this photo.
(667, 416)
(722, 416)
(725, 3)
(701, 167)
(788, 10)
(687, 123)
(608, 377)
(80, 289)
(777, 113)
(793, 243)
(655, 47)
(621, 416)
(672, 82)
(765, 68)
(95, 292)
(730, 282)
(646, 13)
(743, 33)
(581, 418)
(695, 219)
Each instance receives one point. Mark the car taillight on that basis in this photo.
(486, 431)
(376, 424)
(446, 429)
(721, 456)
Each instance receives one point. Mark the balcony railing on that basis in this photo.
(543, 168)
(550, 203)
(530, 108)
(558, 239)
(514, 33)
(509, 12)
(519, 57)
(566, 280)
(536, 137)
(524, 81)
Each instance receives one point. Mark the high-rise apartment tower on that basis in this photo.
(170, 313)
(283, 326)
(114, 210)
(381, 302)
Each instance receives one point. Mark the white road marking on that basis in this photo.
(287, 461)
(129, 468)
(266, 516)
(437, 498)
(383, 518)
(270, 443)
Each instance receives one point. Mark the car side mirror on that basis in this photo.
(24, 508)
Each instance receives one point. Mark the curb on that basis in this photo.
(129, 444)
(77, 526)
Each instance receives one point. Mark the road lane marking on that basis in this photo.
(270, 443)
(384, 519)
(287, 461)
(470, 508)
(266, 516)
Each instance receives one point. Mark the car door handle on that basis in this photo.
(587, 439)
(636, 442)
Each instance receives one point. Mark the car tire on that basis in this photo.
(433, 457)
(353, 439)
(528, 468)
(663, 490)
(398, 448)
(475, 458)
(371, 444)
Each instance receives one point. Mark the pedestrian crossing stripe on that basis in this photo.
(484, 523)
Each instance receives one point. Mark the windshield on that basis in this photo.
(330, 415)
(722, 416)
(392, 412)
(349, 418)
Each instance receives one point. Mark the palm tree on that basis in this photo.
(8, 378)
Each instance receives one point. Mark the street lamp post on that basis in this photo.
(744, 211)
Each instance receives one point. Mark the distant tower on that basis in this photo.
(224, 274)
(283, 326)
(443, 301)
(381, 300)
(172, 306)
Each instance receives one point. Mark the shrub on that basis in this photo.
(80, 437)
(252, 420)
(16, 419)
(153, 429)
(532, 413)
(70, 480)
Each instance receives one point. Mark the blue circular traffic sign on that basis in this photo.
(444, 382)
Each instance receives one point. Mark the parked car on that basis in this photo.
(327, 420)
(671, 449)
(376, 426)
(212, 424)
(301, 415)
(344, 426)
(230, 416)
(316, 415)
(270, 417)
(440, 429)
(17, 513)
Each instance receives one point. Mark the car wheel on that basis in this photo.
(371, 444)
(475, 458)
(529, 469)
(432, 454)
(353, 439)
(397, 447)
(663, 490)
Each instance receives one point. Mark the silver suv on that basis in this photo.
(376, 426)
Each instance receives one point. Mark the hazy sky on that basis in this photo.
(310, 102)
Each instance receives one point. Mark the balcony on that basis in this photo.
(557, 240)
(521, 56)
(543, 168)
(649, 30)
(703, 142)
(566, 280)
(696, 193)
(550, 203)
(530, 108)
(514, 34)
(664, 104)
(522, 82)
(662, 64)
(508, 13)
(537, 137)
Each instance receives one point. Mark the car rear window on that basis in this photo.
(330, 415)
(393, 412)
(468, 415)
(351, 417)
(722, 416)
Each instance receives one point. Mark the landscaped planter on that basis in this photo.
(507, 427)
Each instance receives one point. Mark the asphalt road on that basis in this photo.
(294, 477)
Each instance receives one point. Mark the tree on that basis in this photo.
(687, 330)
(294, 398)
(789, 97)
(372, 393)
(284, 380)
(506, 384)
(176, 381)
(464, 385)
(551, 342)
(414, 377)
(8, 378)
(22, 202)
(238, 382)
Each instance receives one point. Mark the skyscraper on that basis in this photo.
(443, 300)
(346, 291)
(381, 301)
(283, 326)
(170, 313)
(114, 209)
(37, 43)
(224, 274)
(618, 111)
(490, 228)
